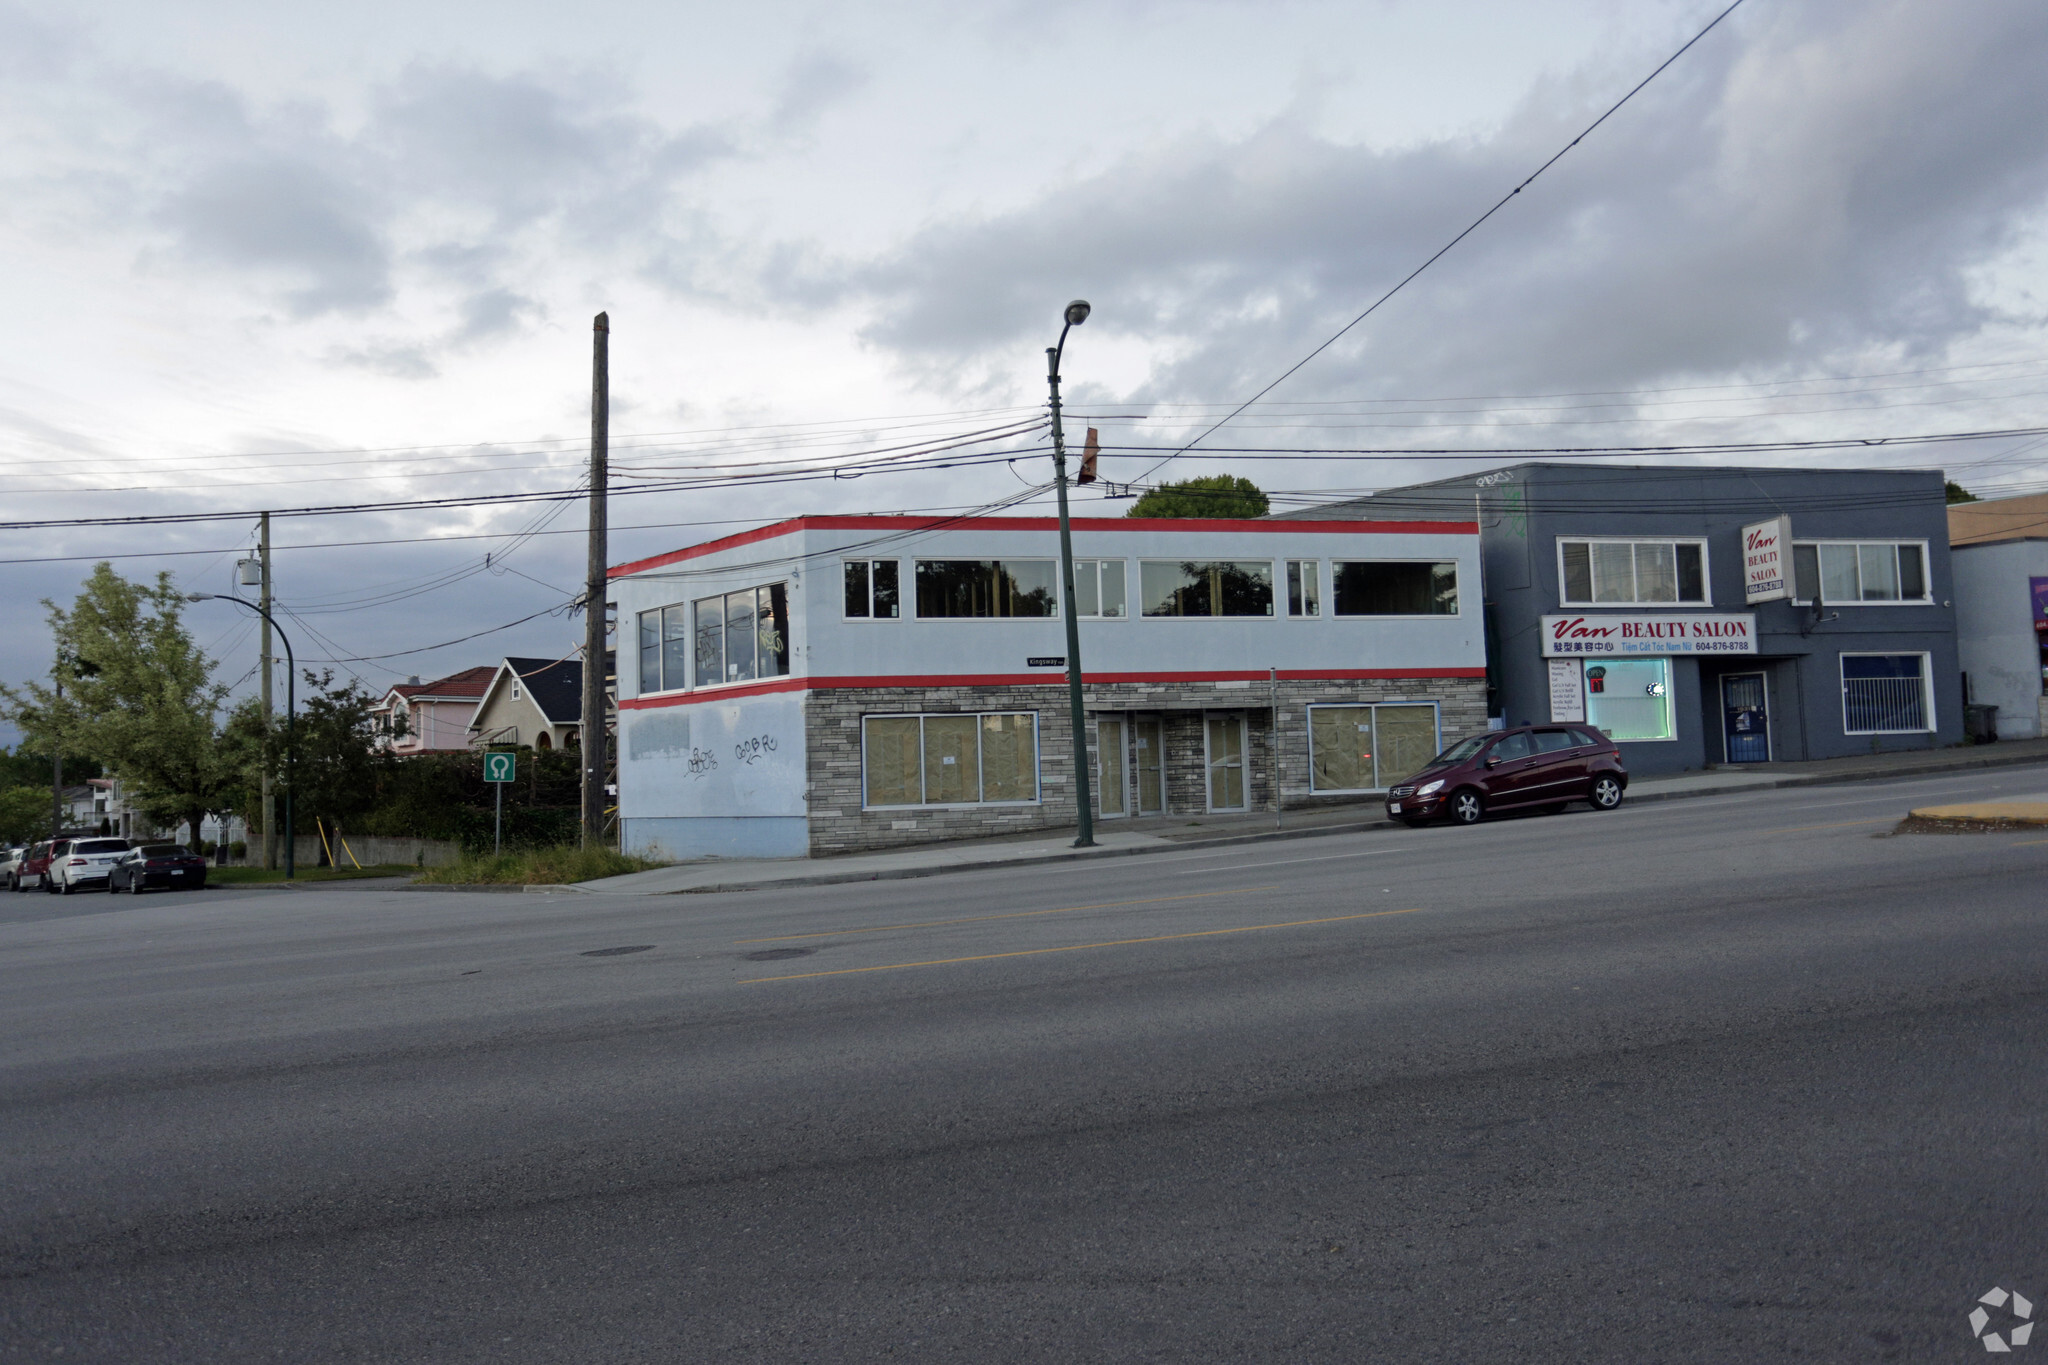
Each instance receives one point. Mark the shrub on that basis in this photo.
(558, 865)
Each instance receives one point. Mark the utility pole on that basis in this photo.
(595, 587)
(57, 775)
(269, 797)
(1076, 314)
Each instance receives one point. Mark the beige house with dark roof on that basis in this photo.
(536, 703)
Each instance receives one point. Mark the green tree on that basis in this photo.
(1957, 493)
(130, 690)
(24, 814)
(1216, 495)
(340, 764)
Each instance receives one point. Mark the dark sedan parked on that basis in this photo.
(165, 865)
(1535, 767)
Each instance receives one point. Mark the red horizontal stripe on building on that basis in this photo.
(1141, 525)
(1043, 678)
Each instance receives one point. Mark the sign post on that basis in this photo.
(499, 768)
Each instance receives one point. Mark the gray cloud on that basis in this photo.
(275, 215)
(1807, 183)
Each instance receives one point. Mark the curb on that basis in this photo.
(1635, 797)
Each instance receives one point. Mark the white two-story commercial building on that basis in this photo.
(844, 682)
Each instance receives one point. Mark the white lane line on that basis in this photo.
(1362, 853)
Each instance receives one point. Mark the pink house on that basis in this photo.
(434, 715)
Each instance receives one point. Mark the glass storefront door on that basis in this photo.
(1148, 763)
(1226, 762)
(1111, 782)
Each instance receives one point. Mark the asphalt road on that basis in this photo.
(1730, 1079)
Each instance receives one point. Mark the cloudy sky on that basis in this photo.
(300, 256)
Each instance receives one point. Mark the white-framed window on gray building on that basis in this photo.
(1099, 590)
(946, 759)
(1394, 587)
(664, 650)
(987, 588)
(871, 589)
(1885, 694)
(1211, 587)
(743, 635)
(1369, 748)
(1852, 572)
(1597, 571)
(1304, 588)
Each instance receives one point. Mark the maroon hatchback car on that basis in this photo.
(1534, 767)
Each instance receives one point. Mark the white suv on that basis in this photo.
(85, 865)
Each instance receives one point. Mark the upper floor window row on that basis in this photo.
(737, 637)
(1846, 571)
(1632, 573)
(1029, 588)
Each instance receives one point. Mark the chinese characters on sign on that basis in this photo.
(1664, 633)
(1767, 561)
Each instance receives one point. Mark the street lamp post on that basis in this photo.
(290, 721)
(1077, 313)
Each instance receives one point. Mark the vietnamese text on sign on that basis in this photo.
(1664, 633)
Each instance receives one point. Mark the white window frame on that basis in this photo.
(1706, 570)
(1103, 568)
(695, 620)
(1059, 605)
(1926, 582)
(1037, 757)
(1452, 560)
(901, 611)
(1926, 686)
(1274, 573)
(660, 615)
(1436, 710)
(1283, 589)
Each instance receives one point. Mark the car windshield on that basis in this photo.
(100, 846)
(163, 851)
(1462, 750)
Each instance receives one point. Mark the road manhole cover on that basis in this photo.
(619, 952)
(778, 954)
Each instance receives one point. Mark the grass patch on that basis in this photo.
(555, 866)
(251, 876)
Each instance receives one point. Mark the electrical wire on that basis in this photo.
(1447, 247)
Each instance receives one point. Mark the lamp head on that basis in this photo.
(1077, 312)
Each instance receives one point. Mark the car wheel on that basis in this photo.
(1467, 806)
(1606, 793)
(64, 889)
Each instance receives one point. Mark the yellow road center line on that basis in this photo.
(1082, 947)
(1018, 914)
(2029, 843)
(1880, 820)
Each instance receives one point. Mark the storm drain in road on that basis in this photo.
(778, 954)
(618, 952)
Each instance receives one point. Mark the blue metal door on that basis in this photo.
(1745, 724)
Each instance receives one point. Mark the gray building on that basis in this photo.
(1703, 616)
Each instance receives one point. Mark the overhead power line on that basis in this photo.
(1470, 228)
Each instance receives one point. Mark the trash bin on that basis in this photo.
(1980, 723)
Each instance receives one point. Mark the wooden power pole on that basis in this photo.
(269, 797)
(592, 739)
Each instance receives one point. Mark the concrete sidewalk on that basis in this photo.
(1125, 838)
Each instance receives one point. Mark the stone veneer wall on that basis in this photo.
(832, 720)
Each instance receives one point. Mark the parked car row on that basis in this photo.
(1531, 767)
(62, 866)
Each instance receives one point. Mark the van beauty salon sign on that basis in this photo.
(1767, 561)
(1662, 633)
